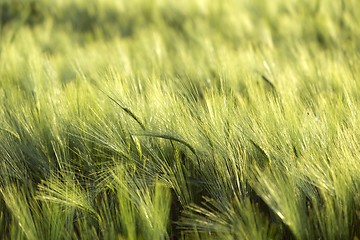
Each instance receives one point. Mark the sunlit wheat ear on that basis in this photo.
(65, 190)
(143, 203)
(239, 220)
(16, 201)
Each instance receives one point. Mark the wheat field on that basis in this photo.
(163, 119)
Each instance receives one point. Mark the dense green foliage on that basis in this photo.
(231, 119)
